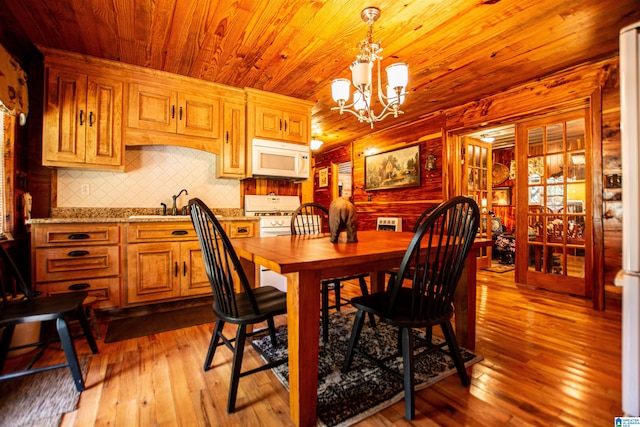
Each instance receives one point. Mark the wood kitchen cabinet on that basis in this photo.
(273, 116)
(164, 262)
(172, 110)
(231, 161)
(74, 257)
(82, 120)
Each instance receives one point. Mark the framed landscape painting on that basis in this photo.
(393, 169)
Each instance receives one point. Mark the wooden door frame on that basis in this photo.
(452, 174)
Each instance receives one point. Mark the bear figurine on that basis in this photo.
(343, 216)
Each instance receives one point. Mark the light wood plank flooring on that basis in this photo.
(549, 359)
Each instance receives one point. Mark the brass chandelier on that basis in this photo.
(361, 77)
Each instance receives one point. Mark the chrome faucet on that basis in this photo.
(174, 208)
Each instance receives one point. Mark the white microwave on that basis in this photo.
(279, 159)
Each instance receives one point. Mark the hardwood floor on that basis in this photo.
(549, 359)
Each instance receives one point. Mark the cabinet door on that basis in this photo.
(269, 122)
(231, 161)
(198, 116)
(194, 280)
(65, 118)
(104, 144)
(296, 127)
(152, 108)
(153, 272)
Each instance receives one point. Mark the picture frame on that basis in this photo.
(399, 168)
(501, 196)
(323, 177)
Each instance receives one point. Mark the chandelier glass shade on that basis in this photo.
(361, 77)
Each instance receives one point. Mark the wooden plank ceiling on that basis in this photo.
(457, 50)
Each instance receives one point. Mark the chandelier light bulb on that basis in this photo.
(340, 90)
(361, 74)
(398, 75)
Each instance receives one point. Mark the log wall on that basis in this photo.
(568, 89)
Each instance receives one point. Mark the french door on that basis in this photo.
(477, 169)
(554, 212)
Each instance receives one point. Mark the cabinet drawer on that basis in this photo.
(106, 290)
(165, 232)
(237, 229)
(66, 235)
(78, 262)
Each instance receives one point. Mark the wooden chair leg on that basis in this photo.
(365, 291)
(238, 353)
(272, 331)
(353, 341)
(7, 335)
(70, 353)
(86, 329)
(213, 344)
(409, 390)
(454, 351)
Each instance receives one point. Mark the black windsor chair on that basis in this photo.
(436, 258)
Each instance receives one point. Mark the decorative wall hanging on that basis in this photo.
(393, 169)
(323, 177)
(14, 98)
(501, 196)
(499, 173)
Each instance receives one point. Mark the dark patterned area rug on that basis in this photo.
(345, 399)
(39, 400)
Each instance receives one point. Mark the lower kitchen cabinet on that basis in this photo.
(165, 270)
(126, 263)
(78, 257)
(164, 262)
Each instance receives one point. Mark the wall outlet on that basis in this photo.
(85, 189)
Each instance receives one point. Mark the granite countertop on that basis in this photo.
(127, 215)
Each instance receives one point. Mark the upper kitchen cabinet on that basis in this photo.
(231, 162)
(82, 119)
(167, 109)
(273, 116)
(161, 109)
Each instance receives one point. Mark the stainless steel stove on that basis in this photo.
(274, 211)
(275, 220)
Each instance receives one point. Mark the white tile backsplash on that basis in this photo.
(152, 175)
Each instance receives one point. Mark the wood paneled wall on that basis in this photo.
(407, 203)
(567, 89)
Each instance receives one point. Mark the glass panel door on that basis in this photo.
(557, 210)
(478, 167)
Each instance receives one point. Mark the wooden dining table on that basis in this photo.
(304, 260)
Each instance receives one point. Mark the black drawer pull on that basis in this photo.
(242, 230)
(78, 236)
(179, 232)
(78, 253)
(79, 286)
